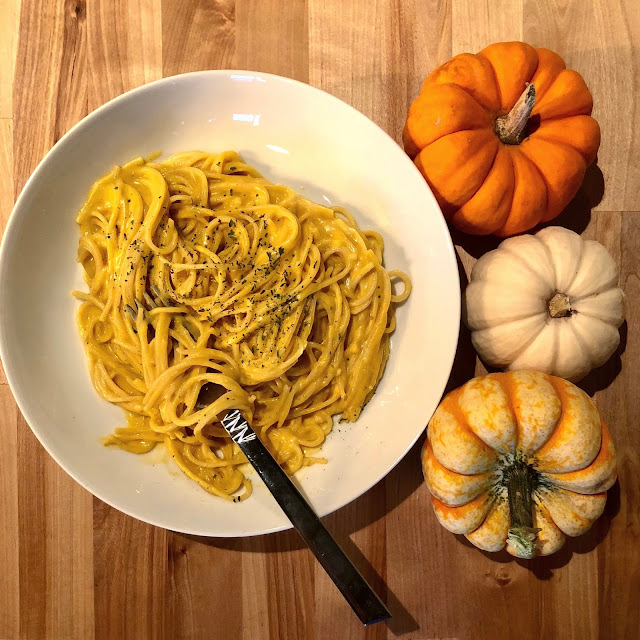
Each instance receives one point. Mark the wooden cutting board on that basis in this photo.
(72, 567)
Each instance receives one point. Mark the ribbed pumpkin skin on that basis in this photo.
(549, 424)
(482, 185)
(506, 304)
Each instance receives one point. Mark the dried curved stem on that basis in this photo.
(511, 127)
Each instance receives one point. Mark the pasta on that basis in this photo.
(201, 272)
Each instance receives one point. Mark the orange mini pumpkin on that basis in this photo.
(503, 137)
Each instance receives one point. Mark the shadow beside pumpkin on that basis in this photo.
(464, 363)
(575, 216)
(600, 378)
(543, 567)
(596, 380)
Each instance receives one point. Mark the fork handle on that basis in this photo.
(355, 589)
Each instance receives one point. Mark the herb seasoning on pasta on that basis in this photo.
(201, 271)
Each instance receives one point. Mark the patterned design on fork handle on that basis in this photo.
(237, 427)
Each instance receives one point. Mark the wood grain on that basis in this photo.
(9, 527)
(124, 47)
(55, 536)
(283, 50)
(618, 557)
(578, 34)
(72, 567)
(48, 67)
(199, 572)
(197, 35)
(484, 22)
(9, 10)
(7, 195)
(130, 583)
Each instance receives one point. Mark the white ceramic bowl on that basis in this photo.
(294, 134)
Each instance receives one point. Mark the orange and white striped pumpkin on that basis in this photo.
(518, 460)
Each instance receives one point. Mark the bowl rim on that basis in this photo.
(11, 228)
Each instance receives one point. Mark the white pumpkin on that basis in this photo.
(548, 302)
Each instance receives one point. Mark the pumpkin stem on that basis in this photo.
(559, 306)
(520, 486)
(510, 128)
